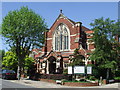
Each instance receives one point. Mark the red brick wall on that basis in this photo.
(75, 33)
(80, 84)
(49, 45)
(73, 30)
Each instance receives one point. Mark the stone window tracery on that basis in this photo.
(61, 38)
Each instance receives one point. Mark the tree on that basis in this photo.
(2, 53)
(77, 59)
(29, 61)
(10, 61)
(23, 29)
(106, 52)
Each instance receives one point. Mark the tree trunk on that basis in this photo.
(19, 67)
(18, 73)
(107, 77)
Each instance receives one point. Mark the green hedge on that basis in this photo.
(117, 78)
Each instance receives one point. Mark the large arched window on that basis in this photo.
(61, 38)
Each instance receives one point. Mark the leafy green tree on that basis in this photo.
(23, 29)
(106, 52)
(29, 61)
(77, 59)
(2, 53)
(10, 61)
(28, 64)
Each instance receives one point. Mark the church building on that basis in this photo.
(63, 37)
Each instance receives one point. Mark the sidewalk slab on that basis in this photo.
(42, 84)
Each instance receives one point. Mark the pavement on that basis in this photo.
(0, 83)
(42, 84)
(39, 84)
(7, 84)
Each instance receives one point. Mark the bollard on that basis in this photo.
(104, 81)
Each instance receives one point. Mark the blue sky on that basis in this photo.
(77, 11)
(84, 12)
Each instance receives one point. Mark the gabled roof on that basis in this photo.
(72, 21)
(85, 29)
(52, 52)
(62, 16)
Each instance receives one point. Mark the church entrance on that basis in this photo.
(52, 65)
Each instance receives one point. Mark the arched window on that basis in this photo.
(61, 38)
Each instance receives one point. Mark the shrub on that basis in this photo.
(117, 78)
(65, 71)
(117, 73)
(92, 78)
(44, 76)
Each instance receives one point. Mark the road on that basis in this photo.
(33, 85)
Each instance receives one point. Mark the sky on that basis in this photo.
(84, 12)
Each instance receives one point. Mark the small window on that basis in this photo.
(66, 65)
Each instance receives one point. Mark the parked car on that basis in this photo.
(8, 74)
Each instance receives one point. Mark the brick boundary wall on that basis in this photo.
(71, 83)
(48, 80)
(80, 84)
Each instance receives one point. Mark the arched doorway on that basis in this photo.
(52, 65)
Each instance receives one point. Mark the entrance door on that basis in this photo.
(52, 65)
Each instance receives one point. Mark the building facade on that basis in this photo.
(61, 40)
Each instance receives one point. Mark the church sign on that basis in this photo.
(79, 69)
(70, 70)
(89, 70)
